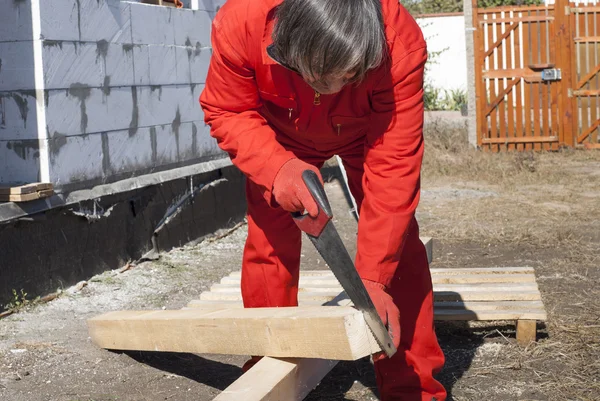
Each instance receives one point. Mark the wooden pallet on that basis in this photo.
(26, 192)
(502, 293)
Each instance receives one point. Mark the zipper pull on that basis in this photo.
(339, 128)
(290, 115)
(317, 100)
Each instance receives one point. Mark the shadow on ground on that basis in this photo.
(215, 374)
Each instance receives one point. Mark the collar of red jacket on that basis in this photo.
(268, 32)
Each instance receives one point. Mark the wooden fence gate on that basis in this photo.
(537, 76)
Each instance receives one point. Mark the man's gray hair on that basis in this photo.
(318, 38)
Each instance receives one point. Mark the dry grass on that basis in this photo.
(539, 208)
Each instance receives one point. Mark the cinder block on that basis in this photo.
(15, 20)
(168, 103)
(18, 115)
(101, 64)
(166, 145)
(81, 109)
(141, 64)
(195, 142)
(163, 65)
(86, 20)
(199, 63)
(75, 158)
(152, 24)
(127, 154)
(16, 66)
(192, 28)
(20, 161)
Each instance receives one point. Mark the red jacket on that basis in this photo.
(263, 115)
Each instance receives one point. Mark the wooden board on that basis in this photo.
(274, 379)
(25, 193)
(435, 271)
(436, 278)
(311, 332)
(24, 189)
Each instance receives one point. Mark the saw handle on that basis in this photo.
(314, 225)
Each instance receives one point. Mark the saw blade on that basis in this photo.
(332, 249)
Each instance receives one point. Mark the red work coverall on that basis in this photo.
(263, 115)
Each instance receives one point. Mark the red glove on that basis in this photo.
(388, 311)
(290, 190)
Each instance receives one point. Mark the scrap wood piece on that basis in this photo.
(24, 189)
(24, 193)
(309, 332)
(275, 379)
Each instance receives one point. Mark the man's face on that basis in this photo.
(331, 84)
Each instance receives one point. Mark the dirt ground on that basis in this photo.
(482, 209)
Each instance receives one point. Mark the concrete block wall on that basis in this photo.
(94, 91)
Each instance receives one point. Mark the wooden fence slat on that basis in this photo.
(524, 19)
(593, 66)
(510, 107)
(544, 86)
(527, 60)
(504, 91)
(493, 121)
(535, 54)
(527, 140)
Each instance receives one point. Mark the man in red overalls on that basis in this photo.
(292, 83)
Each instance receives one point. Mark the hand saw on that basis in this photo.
(326, 239)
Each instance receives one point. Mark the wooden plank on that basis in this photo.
(296, 378)
(488, 113)
(526, 331)
(510, 106)
(529, 139)
(554, 87)
(480, 85)
(588, 131)
(518, 64)
(328, 288)
(446, 315)
(536, 88)
(26, 197)
(24, 189)
(338, 333)
(520, 19)
(275, 379)
(591, 92)
(545, 86)
(587, 39)
(307, 281)
(588, 77)
(503, 87)
(514, 8)
(434, 271)
(451, 295)
(527, 60)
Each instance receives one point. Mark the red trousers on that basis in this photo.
(270, 272)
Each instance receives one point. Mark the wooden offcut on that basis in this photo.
(338, 333)
(526, 330)
(25, 193)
